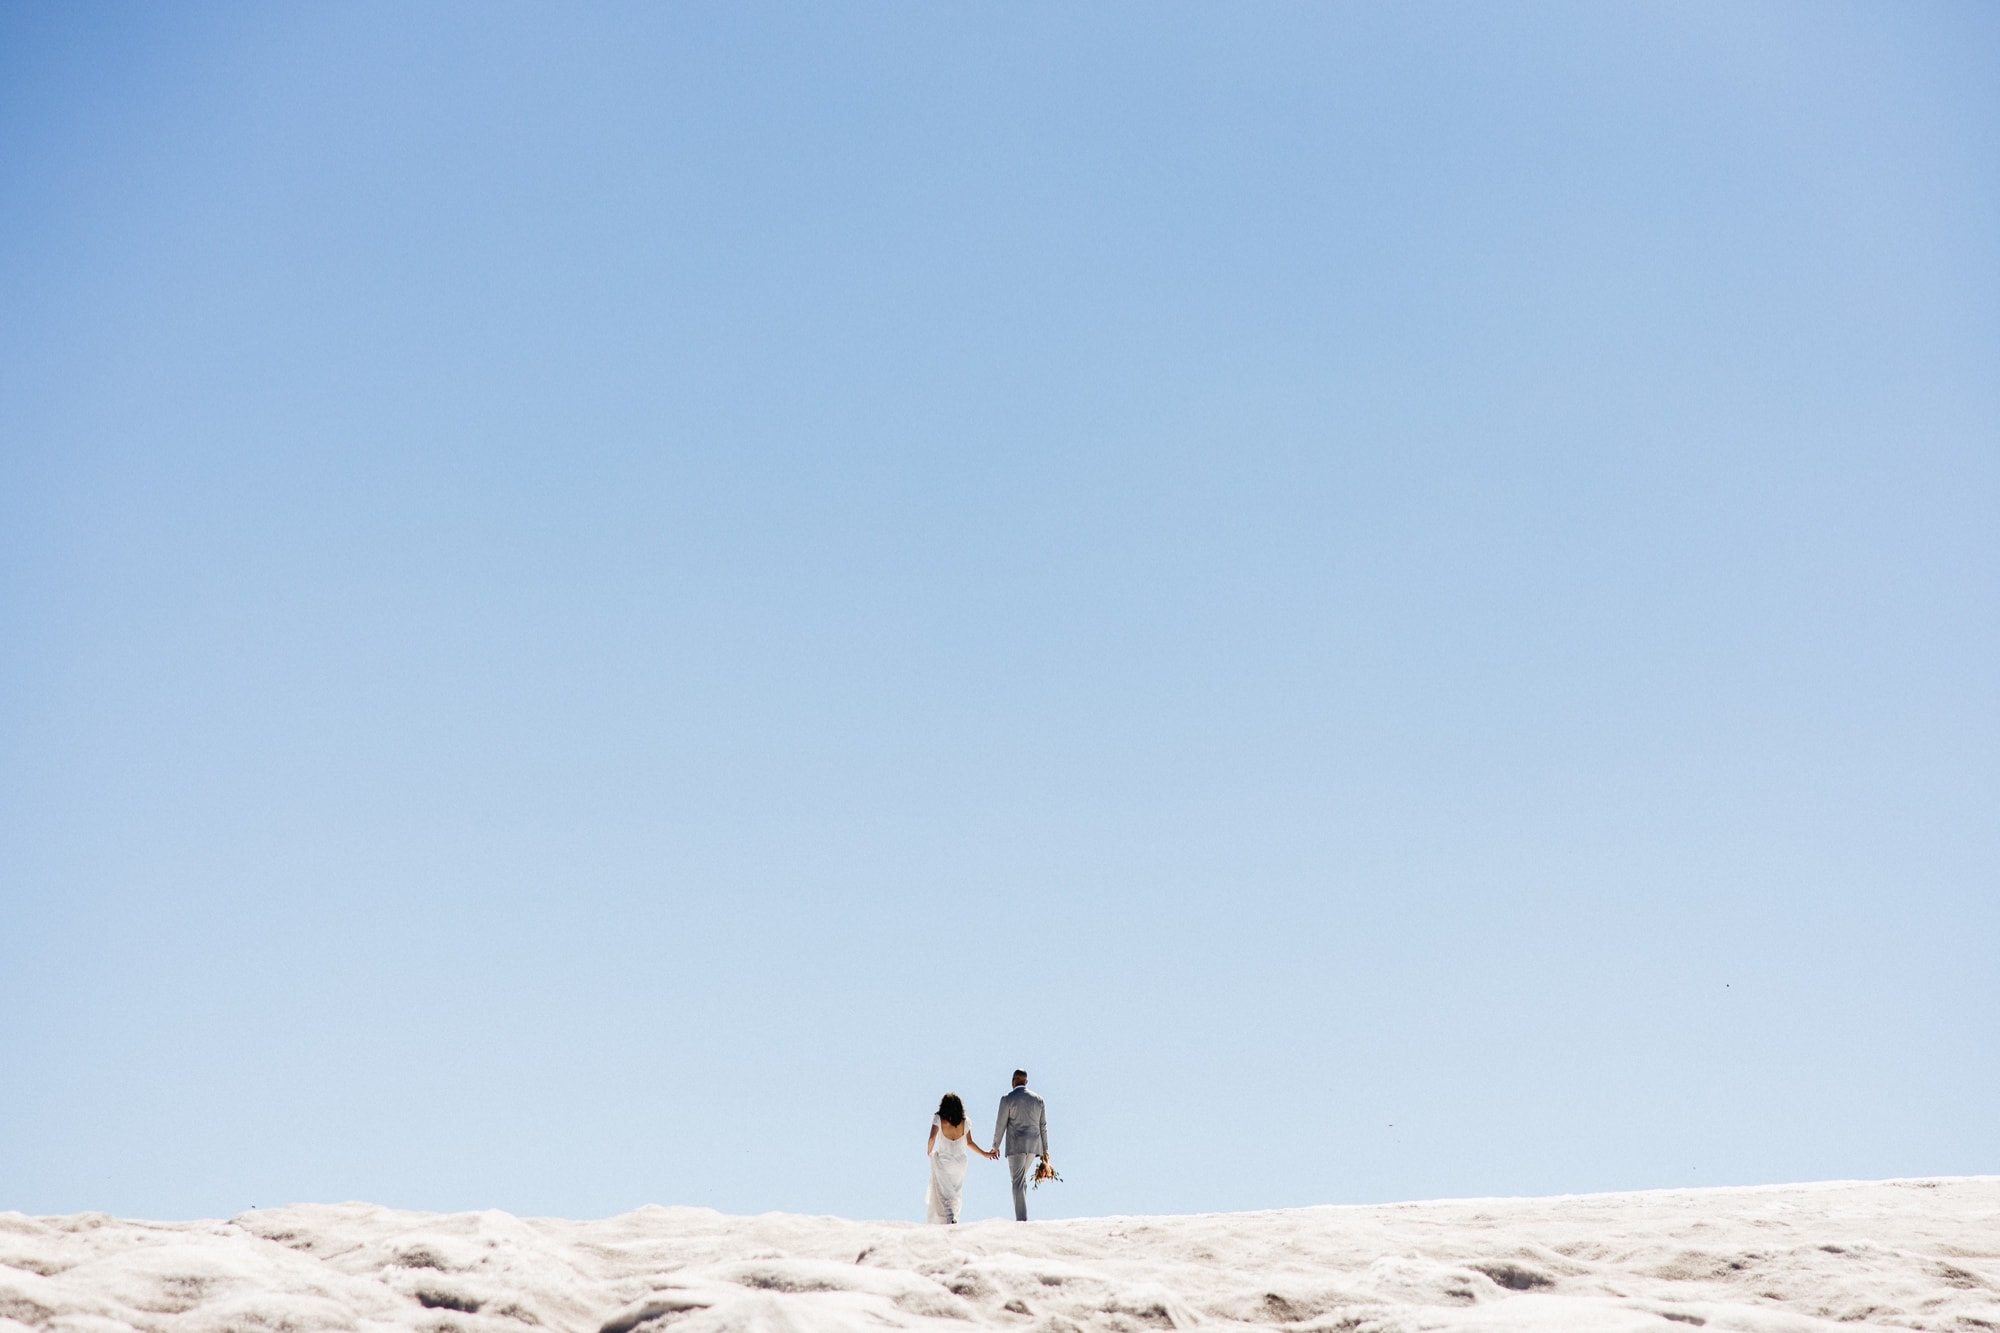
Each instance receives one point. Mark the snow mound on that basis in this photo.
(1922, 1254)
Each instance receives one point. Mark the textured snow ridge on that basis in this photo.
(1902, 1254)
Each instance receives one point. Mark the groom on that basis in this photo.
(1026, 1128)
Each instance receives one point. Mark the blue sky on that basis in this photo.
(599, 603)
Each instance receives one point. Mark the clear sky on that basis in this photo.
(598, 603)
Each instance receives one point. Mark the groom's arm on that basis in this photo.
(999, 1124)
(1042, 1123)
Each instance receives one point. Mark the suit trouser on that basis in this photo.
(1017, 1170)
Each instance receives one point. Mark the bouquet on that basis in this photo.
(1044, 1171)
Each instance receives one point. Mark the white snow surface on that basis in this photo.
(1898, 1254)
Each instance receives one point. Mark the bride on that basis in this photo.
(946, 1148)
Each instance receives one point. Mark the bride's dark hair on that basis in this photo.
(951, 1110)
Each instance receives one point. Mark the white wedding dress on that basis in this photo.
(947, 1190)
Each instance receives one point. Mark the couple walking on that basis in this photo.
(1022, 1125)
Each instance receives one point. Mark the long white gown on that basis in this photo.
(947, 1189)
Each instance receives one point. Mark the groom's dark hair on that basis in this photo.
(1020, 1076)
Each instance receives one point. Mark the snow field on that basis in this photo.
(1922, 1254)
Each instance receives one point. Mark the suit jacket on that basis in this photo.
(1024, 1123)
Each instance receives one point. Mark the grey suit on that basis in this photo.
(1024, 1127)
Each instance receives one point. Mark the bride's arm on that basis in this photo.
(989, 1156)
(931, 1142)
